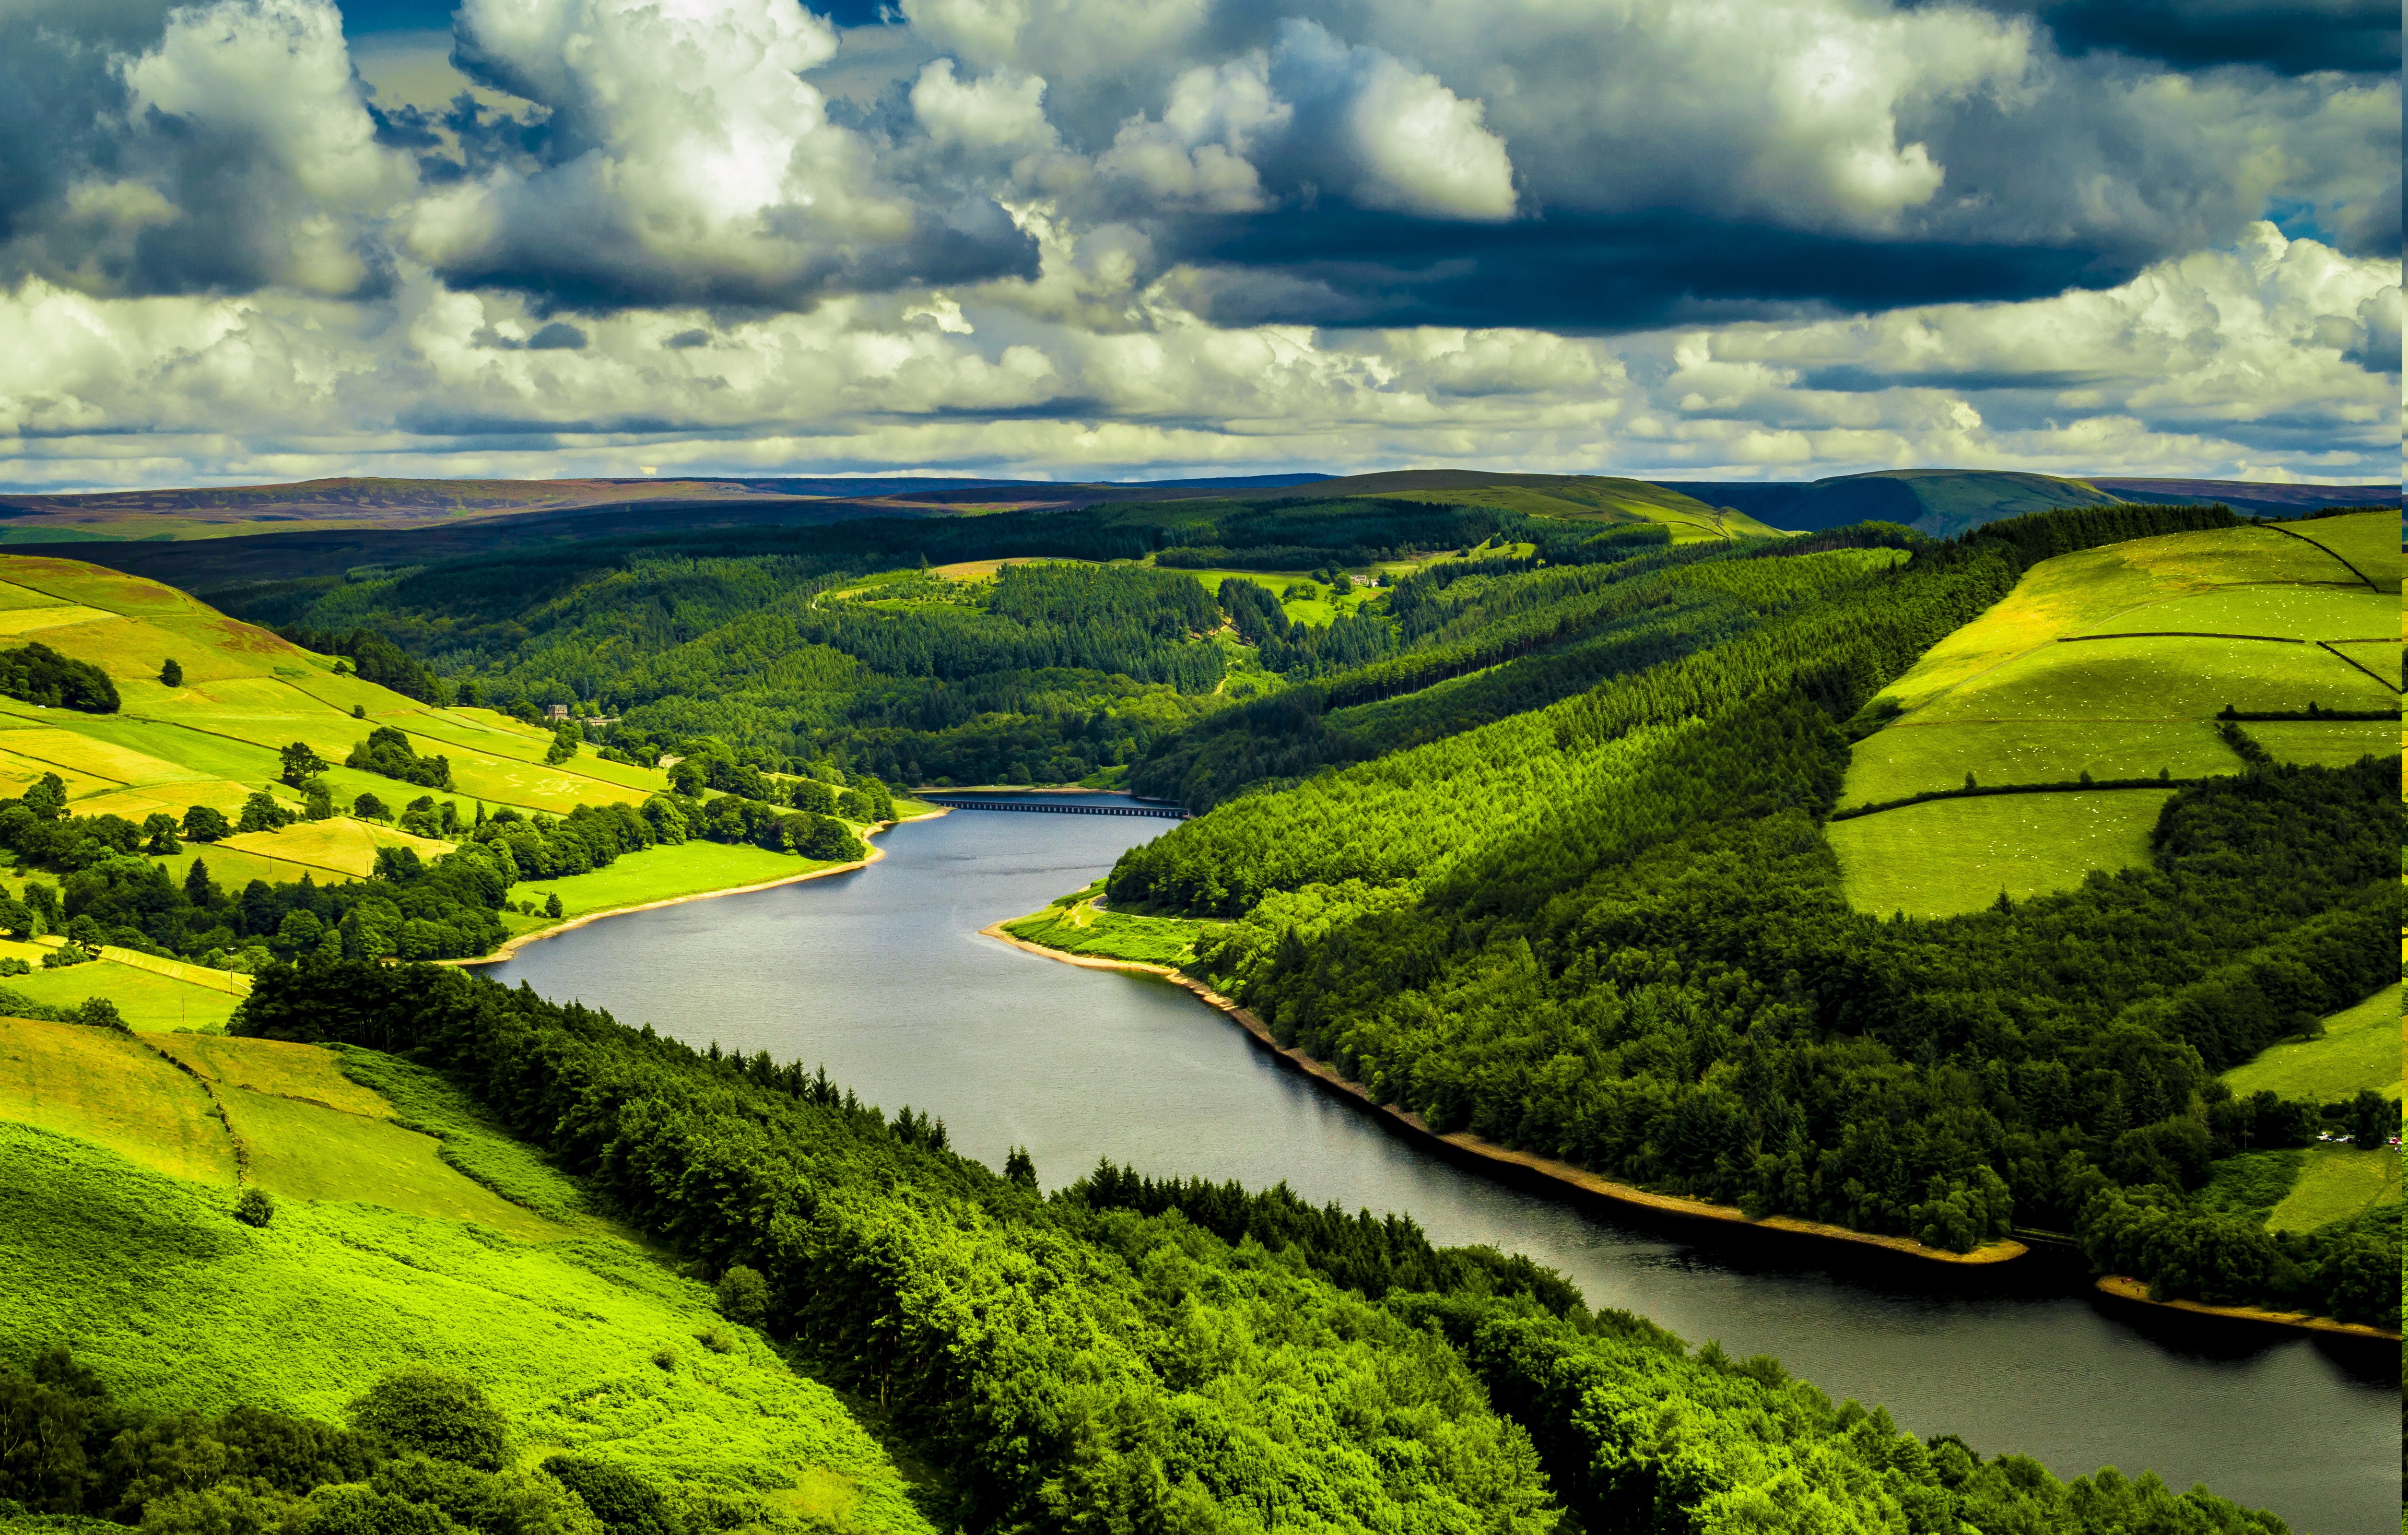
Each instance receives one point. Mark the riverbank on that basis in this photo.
(1564, 1174)
(512, 946)
(2125, 1287)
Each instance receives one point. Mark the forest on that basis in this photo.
(1129, 1356)
(1608, 929)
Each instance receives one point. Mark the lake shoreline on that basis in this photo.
(510, 948)
(2123, 1287)
(1526, 1164)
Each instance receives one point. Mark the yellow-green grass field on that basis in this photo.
(98, 1085)
(2367, 540)
(2337, 1183)
(312, 1073)
(302, 1314)
(2321, 743)
(341, 846)
(1911, 758)
(1947, 856)
(2289, 612)
(303, 1151)
(233, 867)
(664, 874)
(1598, 498)
(2157, 678)
(2379, 656)
(2360, 1049)
(148, 1001)
(1077, 927)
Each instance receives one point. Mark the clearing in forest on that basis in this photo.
(2114, 662)
(2358, 1048)
(2337, 1183)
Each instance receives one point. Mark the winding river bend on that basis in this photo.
(882, 975)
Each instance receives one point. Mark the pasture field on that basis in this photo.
(71, 580)
(665, 873)
(1079, 928)
(2288, 613)
(2368, 539)
(233, 867)
(304, 1150)
(148, 1002)
(21, 623)
(1910, 758)
(94, 757)
(2360, 1049)
(2337, 1183)
(1948, 857)
(2322, 743)
(2160, 679)
(301, 1314)
(13, 596)
(422, 1101)
(339, 846)
(100, 1086)
(2379, 656)
(176, 969)
(312, 1073)
(21, 773)
(172, 798)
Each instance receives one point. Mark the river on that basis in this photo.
(880, 975)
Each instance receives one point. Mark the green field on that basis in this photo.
(98, 1085)
(2160, 679)
(1917, 758)
(2368, 539)
(1079, 928)
(2293, 612)
(2337, 1183)
(1952, 855)
(309, 1072)
(300, 1315)
(341, 846)
(2319, 744)
(147, 1001)
(2360, 1049)
(664, 874)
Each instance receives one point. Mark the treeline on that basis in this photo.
(36, 674)
(1105, 1361)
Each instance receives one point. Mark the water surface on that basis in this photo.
(880, 975)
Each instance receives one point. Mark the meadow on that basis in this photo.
(665, 873)
(1077, 927)
(148, 1001)
(2337, 1183)
(1950, 856)
(102, 1087)
(591, 1346)
(2360, 1049)
(2369, 540)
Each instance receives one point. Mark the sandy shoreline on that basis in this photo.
(514, 945)
(1545, 1166)
(2125, 1287)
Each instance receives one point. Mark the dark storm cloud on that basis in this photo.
(2295, 37)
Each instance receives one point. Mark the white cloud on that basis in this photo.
(1006, 110)
(1391, 137)
(1195, 156)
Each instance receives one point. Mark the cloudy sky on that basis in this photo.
(265, 239)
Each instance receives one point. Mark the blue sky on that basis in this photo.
(261, 239)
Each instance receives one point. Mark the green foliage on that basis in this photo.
(40, 675)
(433, 1412)
(743, 1296)
(426, 1102)
(387, 751)
(254, 1206)
(170, 673)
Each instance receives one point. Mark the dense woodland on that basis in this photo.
(1132, 1356)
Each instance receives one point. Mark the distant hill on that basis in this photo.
(1942, 502)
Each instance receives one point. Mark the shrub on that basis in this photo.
(434, 1412)
(256, 1207)
(744, 1296)
(624, 1501)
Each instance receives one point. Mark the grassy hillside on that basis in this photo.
(2356, 1048)
(2114, 664)
(115, 1187)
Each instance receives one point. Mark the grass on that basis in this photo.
(312, 1074)
(2379, 656)
(100, 1086)
(2158, 679)
(2318, 743)
(148, 1002)
(2358, 1048)
(304, 1150)
(179, 1307)
(2337, 1183)
(2251, 1184)
(1952, 855)
(665, 873)
(341, 845)
(1912, 758)
(2295, 612)
(1079, 928)
(425, 1101)
(2367, 540)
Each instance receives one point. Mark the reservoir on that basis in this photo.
(880, 975)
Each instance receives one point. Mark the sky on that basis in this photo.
(252, 240)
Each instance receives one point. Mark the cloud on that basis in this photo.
(1387, 136)
(687, 161)
(2297, 36)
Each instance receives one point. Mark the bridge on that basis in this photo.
(1060, 805)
